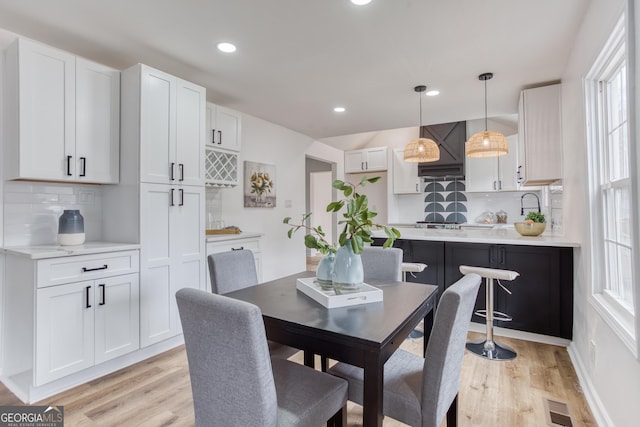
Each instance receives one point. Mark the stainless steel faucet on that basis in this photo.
(522, 207)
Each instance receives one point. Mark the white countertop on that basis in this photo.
(54, 251)
(500, 234)
(225, 237)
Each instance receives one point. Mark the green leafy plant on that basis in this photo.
(357, 220)
(535, 217)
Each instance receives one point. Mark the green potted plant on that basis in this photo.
(358, 225)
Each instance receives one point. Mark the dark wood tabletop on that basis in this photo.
(364, 335)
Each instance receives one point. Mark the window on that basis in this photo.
(611, 188)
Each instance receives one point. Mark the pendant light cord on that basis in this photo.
(485, 106)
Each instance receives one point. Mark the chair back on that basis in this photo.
(229, 365)
(445, 350)
(232, 270)
(380, 263)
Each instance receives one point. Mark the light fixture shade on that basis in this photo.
(422, 150)
(486, 143)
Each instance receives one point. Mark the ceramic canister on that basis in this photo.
(71, 228)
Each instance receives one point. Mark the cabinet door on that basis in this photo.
(354, 161)
(431, 254)
(156, 265)
(535, 300)
(117, 323)
(97, 123)
(472, 254)
(64, 330)
(508, 166)
(157, 127)
(480, 174)
(376, 159)
(189, 247)
(228, 129)
(190, 127)
(541, 131)
(47, 113)
(405, 175)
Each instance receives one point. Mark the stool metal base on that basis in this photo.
(491, 350)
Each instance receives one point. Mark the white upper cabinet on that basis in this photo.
(224, 127)
(540, 135)
(487, 174)
(61, 116)
(172, 120)
(365, 160)
(405, 175)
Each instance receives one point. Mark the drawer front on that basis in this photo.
(56, 271)
(217, 247)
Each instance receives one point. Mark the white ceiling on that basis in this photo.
(297, 59)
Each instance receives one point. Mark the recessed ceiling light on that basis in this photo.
(226, 47)
(339, 109)
(360, 2)
(433, 92)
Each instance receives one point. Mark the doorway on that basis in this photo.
(320, 175)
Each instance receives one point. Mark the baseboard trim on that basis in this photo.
(520, 335)
(590, 394)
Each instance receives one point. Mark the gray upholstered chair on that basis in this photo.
(234, 270)
(233, 379)
(418, 391)
(381, 263)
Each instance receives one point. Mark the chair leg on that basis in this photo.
(323, 363)
(452, 413)
(339, 419)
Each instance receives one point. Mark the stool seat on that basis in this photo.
(488, 348)
(413, 267)
(489, 273)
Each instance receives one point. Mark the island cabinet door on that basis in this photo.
(541, 297)
(475, 255)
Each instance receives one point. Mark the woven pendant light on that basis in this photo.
(486, 143)
(421, 150)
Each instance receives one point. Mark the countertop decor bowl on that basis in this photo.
(534, 229)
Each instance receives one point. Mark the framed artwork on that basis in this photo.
(259, 185)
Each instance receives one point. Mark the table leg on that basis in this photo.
(309, 359)
(373, 389)
(428, 325)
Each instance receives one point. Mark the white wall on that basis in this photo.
(266, 142)
(611, 380)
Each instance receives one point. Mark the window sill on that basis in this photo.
(618, 319)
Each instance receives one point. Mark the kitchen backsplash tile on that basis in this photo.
(31, 211)
(445, 201)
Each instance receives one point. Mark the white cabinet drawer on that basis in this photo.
(238, 244)
(56, 271)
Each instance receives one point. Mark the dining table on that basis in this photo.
(364, 335)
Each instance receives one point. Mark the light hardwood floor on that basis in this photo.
(157, 392)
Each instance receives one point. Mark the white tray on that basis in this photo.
(366, 294)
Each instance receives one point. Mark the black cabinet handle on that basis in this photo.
(83, 162)
(181, 167)
(102, 295)
(172, 203)
(69, 165)
(219, 137)
(86, 292)
(519, 175)
(213, 136)
(171, 175)
(181, 197)
(238, 249)
(503, 256)
(366, 165)
(85, 269)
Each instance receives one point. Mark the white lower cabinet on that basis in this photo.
(65, 314)
(85, 323)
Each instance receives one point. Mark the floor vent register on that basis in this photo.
(557, 413)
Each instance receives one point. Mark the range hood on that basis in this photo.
(450, 138)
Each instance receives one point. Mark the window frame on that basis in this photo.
(614, 312)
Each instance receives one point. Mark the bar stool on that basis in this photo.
(488, 348)
(413, 267)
